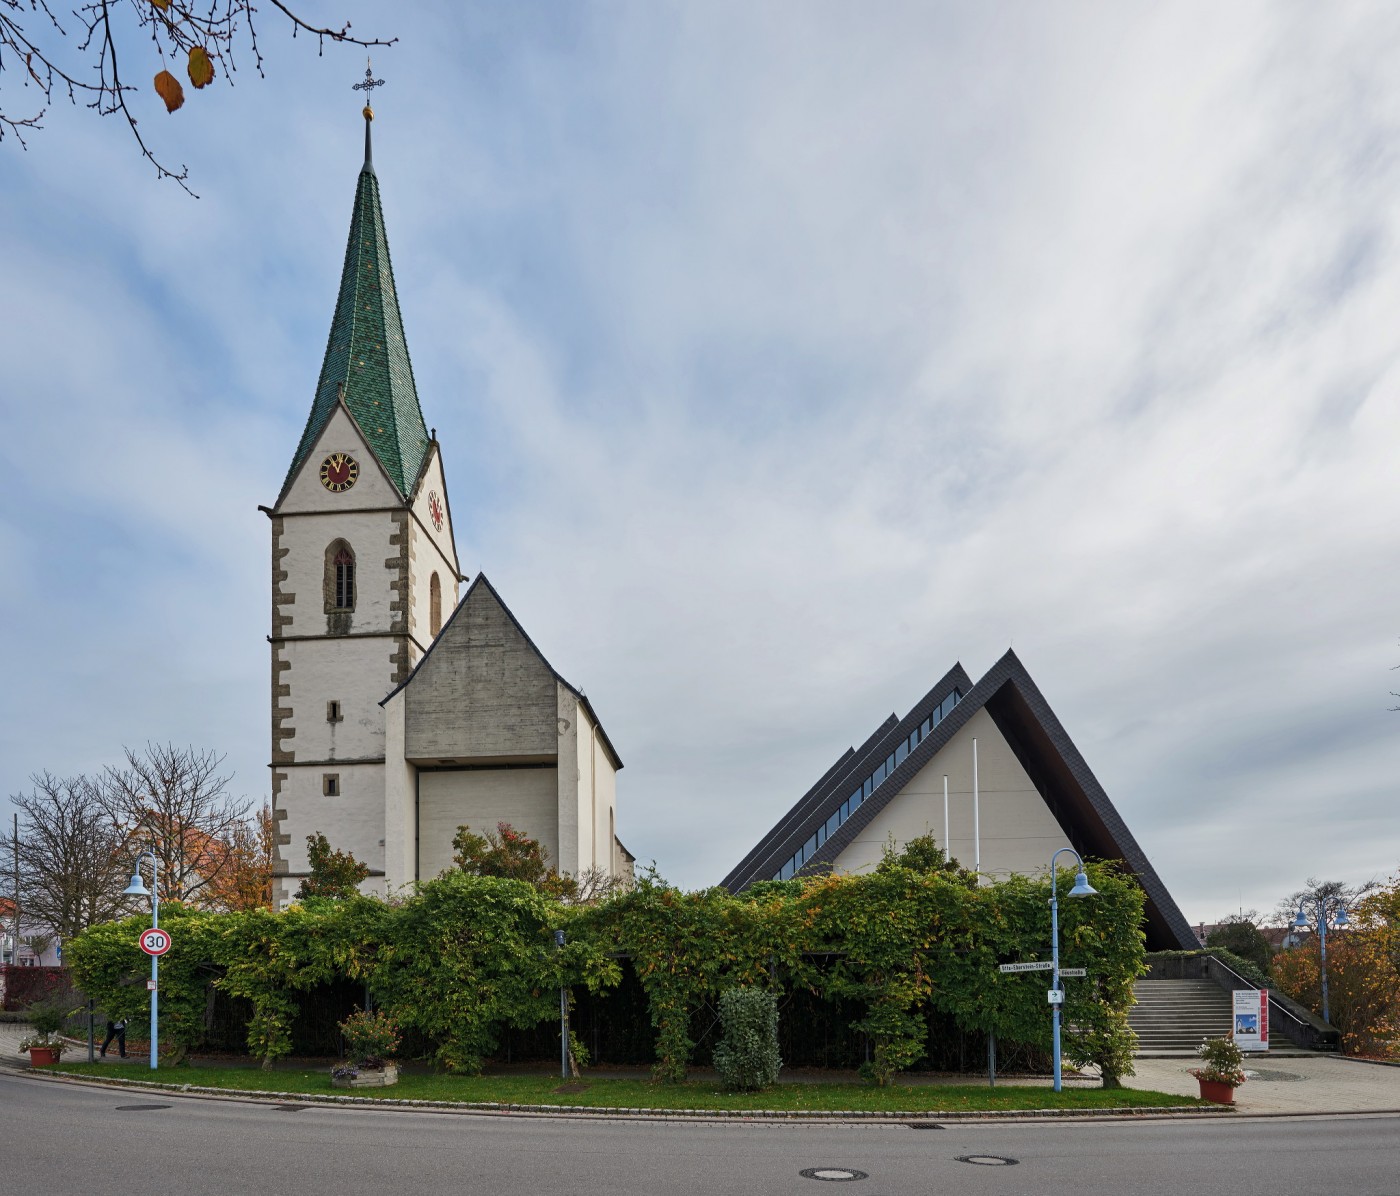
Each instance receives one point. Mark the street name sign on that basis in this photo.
(1042, 965)
(155, 942)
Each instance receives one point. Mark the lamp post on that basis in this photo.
(1301, 923)
(1082, 888)
(137, 888)
(563, 1013)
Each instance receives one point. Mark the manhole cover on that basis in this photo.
(987, 1160)
(139, 1108)
(832, 1174)
(1268, 1076)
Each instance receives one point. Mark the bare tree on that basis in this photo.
(173, 802)
(1330, 896)
(71, 866)
(76, 53)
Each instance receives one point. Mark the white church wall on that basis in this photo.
(307, 539)
(371, 488)
(605, 806)
(352, 821)
(1018, 832)
(354, 672)
(567, 796)
(400, 813)
(480, 798)
(425, 559)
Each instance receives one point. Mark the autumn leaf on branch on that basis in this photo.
(169, 89)
(201, 69)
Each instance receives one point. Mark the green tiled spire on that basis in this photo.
(366, 352)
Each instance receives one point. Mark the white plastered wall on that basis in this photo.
(355, 672)
(400, 801)
(597, 795)
(432, 553)
(567, 833)
(353, 821)
(371, 488)
(481, 798)
(307, 537)
(1018, 832)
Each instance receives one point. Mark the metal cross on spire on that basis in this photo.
(369, 84)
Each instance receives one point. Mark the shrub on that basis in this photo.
(746, 1056)
(48, 1018)
(370, 1038)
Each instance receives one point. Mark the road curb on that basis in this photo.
(790, 1116)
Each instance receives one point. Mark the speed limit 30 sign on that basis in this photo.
(155, 942)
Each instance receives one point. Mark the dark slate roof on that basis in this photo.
(367, 354)
(1044, 749)
(487, 587)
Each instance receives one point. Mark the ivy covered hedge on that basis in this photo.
(467, 956)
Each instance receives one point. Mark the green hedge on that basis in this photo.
(467, 957)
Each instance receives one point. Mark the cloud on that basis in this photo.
(778, 364)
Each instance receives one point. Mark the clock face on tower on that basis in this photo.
(339, 471)
(435, 511)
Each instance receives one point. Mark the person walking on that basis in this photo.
(115, 1030)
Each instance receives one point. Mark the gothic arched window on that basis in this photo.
(435, 605)
(340, 577)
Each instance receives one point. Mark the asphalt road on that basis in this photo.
(62, 1138)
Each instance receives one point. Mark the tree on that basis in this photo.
(1331, 895)
(920, 854)
(173, 802)
(333, 873)
(244, 881)
(1240, 933)
(71, 865)
(1363, 974)
(81, 53)
(39, 944)
(512, 854)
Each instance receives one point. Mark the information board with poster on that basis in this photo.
(1251, 1020)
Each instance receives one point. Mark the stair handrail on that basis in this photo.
(1308, 1023)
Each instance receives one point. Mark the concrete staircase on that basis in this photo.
(1172, 1016)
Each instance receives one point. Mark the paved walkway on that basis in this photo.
(1292, 1084)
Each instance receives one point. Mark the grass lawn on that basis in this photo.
(643, 1094)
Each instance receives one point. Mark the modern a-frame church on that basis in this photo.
(1017, 790)
(399, 714)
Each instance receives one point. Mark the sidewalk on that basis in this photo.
(1289, 1084)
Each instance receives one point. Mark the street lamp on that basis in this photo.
(1082, 888)
(1301, 923)
(137, 888)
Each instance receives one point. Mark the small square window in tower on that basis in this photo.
(330, 784)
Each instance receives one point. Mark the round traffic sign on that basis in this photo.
(155, 942)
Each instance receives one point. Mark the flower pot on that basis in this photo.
(1216, 1091)
(369, 1077)
(42, 1056)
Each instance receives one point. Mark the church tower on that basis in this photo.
(364, 565)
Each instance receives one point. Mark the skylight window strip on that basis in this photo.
(868, 786)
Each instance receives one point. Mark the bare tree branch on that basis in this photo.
(178, 33)
(71, 865)
(173, 802)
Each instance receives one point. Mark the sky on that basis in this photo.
(782, 355)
